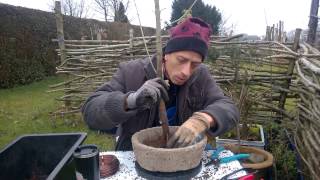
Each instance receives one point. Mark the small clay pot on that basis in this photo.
(150, 156)
(109, 165)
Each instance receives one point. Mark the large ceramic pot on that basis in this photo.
(150, 156)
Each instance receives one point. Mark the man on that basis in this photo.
(130, 100)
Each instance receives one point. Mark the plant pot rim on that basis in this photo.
(135, 138)
(162, 159)
(268, 157)
(260, 143)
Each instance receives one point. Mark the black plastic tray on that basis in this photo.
(40, 156)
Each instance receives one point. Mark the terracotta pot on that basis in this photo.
(149, 155)
(267, 158)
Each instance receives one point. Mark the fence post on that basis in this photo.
(268, 32)
(280, 31)
(131, 41)
(272, 32)
(276, 35)
(235, 58)
(60, 34)
(283, 95)
(313, 22)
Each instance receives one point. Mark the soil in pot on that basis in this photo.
(157, 142)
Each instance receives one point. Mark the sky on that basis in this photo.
(242, 16)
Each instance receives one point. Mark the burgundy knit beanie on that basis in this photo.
(191, 34)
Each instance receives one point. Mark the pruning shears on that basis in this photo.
(215, 160)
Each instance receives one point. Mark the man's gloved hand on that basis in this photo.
(148, 94)
(190, 131)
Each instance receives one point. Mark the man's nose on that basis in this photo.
(186, 69)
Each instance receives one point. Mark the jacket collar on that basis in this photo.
(150, 71)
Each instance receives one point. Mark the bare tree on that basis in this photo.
(113, 9)
(103, 6)
(83, 9)
(225, 28)
(75, 8)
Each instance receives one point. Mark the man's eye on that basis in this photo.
(181, 60)
(195, 65)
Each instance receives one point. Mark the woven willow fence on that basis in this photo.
(266, 68)
(307, 134)
(260, 76)
(90, 63)
(263, 69)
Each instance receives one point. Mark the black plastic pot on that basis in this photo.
(40, 156)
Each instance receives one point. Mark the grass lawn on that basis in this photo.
(26, 110)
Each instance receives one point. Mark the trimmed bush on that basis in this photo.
(27, 52)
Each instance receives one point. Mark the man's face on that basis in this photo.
(181, 64)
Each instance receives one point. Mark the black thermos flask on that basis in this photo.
(86, 159)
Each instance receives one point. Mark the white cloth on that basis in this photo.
(127, 169)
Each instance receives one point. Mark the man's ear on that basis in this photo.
(165, 58)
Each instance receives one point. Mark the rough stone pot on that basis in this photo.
(157, 159)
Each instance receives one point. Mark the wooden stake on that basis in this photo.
(295, 47)
(131, 40)
(313, 22)
(60, 34)
(162, 107)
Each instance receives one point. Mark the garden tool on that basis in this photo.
(216, 160)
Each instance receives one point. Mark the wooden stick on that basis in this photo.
(162, 107)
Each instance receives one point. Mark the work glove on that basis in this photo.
(189, 132)
(148, 94)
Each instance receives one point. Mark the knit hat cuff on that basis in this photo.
(187, 43)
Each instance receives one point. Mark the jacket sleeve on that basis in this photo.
(219, 106)
(104, 109)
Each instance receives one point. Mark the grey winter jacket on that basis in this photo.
(104, 109)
